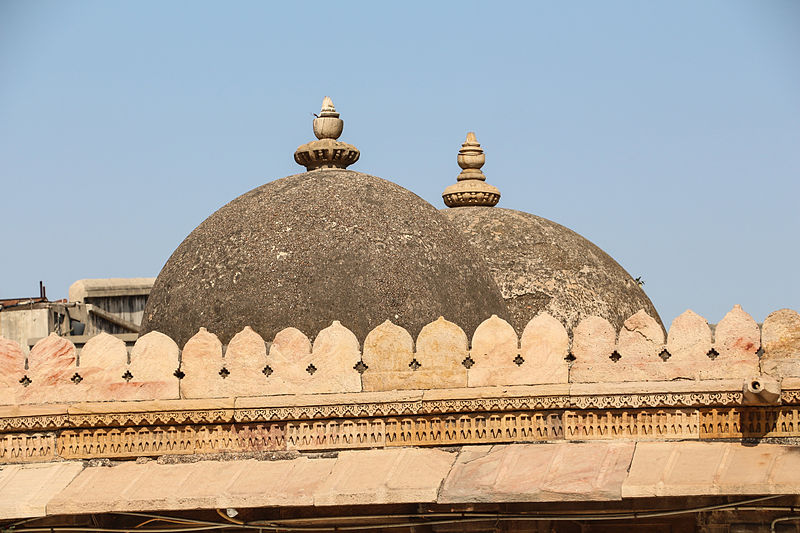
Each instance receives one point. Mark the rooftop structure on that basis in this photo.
(387, 420)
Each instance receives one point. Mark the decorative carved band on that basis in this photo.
(657, 424)
(169, 440)
(411, 430)
(161, 417)
(750, 422)
(27, 447)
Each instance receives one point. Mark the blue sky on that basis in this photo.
(667, 133)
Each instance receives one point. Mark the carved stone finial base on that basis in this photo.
(471, 189)
(327, 152)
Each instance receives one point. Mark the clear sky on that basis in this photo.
(667, 133)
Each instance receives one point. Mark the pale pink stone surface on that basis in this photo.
(205, 484)
(388, 350)
(494, 347)
(201, 362)
(103, 361)
(737, 339)
(289, 359)
(399, 475)
(26, 490)
(154, 360)
(640, 341)
(12, 368)
(442, 347)
(245, 359)
(708, 468)
(544, 472)
(593, 342)
(780, 337)
(544, 347)
(335, 354)
(51, 365)
(688, 342)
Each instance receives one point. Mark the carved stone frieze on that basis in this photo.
(396, 429)
(753, 422)
(481, 428)
(169, 440)
(646, 424)
(27, 447)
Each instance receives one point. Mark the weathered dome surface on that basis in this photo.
(543, 266)
(316, 247)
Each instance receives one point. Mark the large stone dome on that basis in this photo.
(316, 247)
(543, 266)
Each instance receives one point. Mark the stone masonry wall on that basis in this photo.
(441, 357)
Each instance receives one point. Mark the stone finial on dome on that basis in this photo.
(327, 151)
(471, 189)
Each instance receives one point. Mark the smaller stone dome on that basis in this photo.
(543, 266)
(539, 265)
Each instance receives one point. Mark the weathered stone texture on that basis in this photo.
(201, 362)
(544, 347)
(154, 360)
(707, 468)
(336, 352)
(12, 368)
(51, 365)
(26, 490)
(441, 349)
(640, 341)
(494, 348)
(308, 249)
(289, 363)
(103, 362)
(388, 350)
(781, 342)
(551, 472)
(736, 341)
(541, 266)
(688, 342)
(403, 475)
(245, 360)
(593, 343)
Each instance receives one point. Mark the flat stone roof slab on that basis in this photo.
(712, 468)
(25, 490)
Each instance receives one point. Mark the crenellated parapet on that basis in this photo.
(735, 380)
(389, 358)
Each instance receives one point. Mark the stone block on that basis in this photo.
(335, 355)
(201, 363)
(153, 362)
(709, 468)
(51, 365)
(780, 338)
(389, 476)
(297, 480)
(26, 490)
(495, 346)
(688, 343)
(538, 473)
(442, 347)
(736, 342)
(245, 360)
(388, 350)
(544, 347)
(640, 341)
(290, 365)
(102, 363)
(593, 343)
(12, 369)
